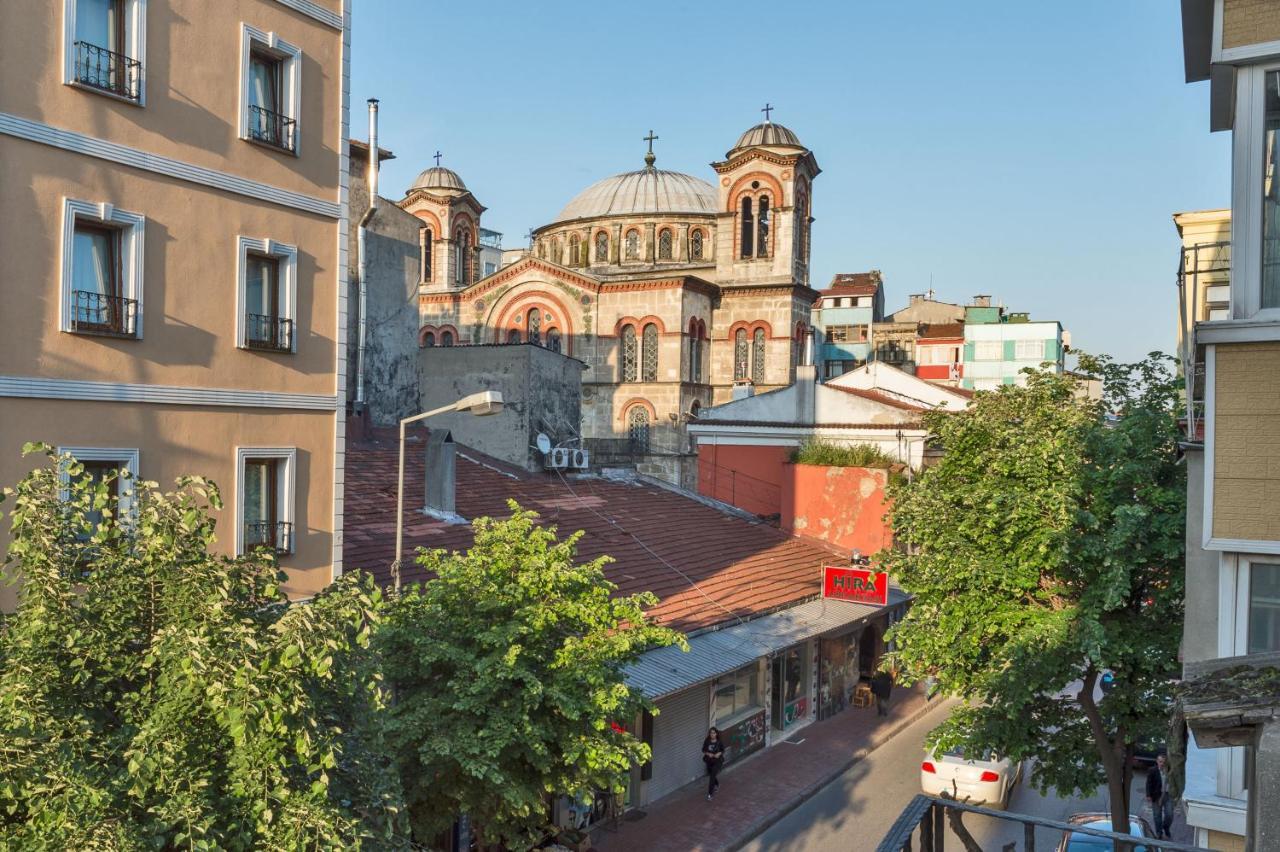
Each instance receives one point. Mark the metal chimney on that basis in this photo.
(441, 465)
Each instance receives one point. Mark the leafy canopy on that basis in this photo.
(153, 695)
(507, 669)
(1045, 548)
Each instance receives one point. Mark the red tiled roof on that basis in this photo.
(853, 284)
(882, 398)
(942, 329)
(749, 568)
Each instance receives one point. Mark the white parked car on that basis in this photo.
(986, 780)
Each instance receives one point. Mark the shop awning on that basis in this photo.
(663, 671)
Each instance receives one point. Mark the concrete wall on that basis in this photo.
(542, 390)
(902, 385)
(842, 506)
(1200, 622)
(393, 269)
(747, 476)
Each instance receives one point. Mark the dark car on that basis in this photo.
(1076, 841)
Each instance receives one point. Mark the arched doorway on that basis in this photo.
(868, 651)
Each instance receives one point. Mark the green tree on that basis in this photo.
(507, 670)
(153, 695)
(1043, 550)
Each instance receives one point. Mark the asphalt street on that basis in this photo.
(852, 813)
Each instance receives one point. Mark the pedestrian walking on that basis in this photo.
(713, 757)
(1158, 796)
(882, 688)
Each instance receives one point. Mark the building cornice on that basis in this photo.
(32, 387)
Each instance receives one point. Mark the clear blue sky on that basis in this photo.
(1034, 151)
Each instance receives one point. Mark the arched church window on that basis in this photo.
(748, 228)
(533, 328)
(462, 273)
(801, 230)
(664, 245)
(553, 339)
(427, 240)
(602, 247)
(446, 338)
(695, 245)
(629, 363)
(575, 247)
(695, 352)
(513, 336)
(428, 339)
(650, 353)
(633, 245)
(757, 357)
(762, 228)
(638, 429)
(741, 354)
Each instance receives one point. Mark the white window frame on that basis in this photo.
(1037, 347)
(978, 346)
(1248, 164)
(290, 79)
(135, 31)
(288, 257)
(133, 229)
(987, 384)
(286, 489)
(126, 456)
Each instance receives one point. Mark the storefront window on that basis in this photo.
(837, 674)
(790, 687)
(736, 694)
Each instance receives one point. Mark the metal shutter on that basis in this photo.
(678, 731)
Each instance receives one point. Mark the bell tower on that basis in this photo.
(451, 228)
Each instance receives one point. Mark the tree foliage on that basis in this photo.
(1044, 549)
(508, 681)
(155, 696)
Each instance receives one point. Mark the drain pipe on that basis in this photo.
(360, 250)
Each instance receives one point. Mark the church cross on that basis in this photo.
(650, 139)
(768, 108)
(437, 159)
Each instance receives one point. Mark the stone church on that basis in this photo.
(675, 293)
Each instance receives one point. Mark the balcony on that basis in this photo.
(276, 536)
(108, 316)
(1204, 294)
(272, 128)
(270, 333)
(925, 823)
(107, 71)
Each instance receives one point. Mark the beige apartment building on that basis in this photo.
(1229, 275)
(173, 253)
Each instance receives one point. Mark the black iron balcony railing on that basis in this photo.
(268, 332)
(109, 71)
(95, 313)
(276, 536)
(924, 823)
(273, 128)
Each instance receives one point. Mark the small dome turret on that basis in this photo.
(767, 134)
(438, 177)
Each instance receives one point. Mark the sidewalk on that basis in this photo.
(765, 787)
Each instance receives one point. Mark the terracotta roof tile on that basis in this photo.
(942, 330)
(882, 398)
(854, 283)
(748, 568)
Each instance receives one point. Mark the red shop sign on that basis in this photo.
(859, 585)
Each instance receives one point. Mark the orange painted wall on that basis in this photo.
(842, 506)
(749, 477)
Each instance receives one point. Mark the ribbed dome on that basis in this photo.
(768, 133)
(438, 177)
(645, 191)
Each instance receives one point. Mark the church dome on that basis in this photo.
(768, 134)
(643, 192)
(438, 177)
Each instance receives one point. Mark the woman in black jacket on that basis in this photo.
(713, 757)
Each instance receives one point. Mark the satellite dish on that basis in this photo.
(544, 443)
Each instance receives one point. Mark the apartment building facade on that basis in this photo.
(173, 179)
(1230, 339)
(998, 346)
(844, 315)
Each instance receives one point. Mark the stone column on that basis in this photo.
(650, 248)
(1264, 789)
(682, 251)
(615, 246)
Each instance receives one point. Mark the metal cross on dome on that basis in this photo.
(650, 139)
(768, 108)
(437, 156)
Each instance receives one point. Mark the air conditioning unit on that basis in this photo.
(557, 459)
(579, 459)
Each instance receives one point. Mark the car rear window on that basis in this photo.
(959, 753)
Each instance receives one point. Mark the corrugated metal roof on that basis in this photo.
(662, 671)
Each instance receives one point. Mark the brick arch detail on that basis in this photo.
(431, 220)
(464, 220)
(643, 403)
(438, 330)
(521, 302)
(742, 186)
(751, 329)
(639, 323)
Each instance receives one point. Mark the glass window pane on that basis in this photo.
(1271, 197)
(92, 261)
(724, 701)
(96, 23)
(263, 83)
(257, 490)
(1264, 608)
(260, 285)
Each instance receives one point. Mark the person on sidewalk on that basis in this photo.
(1158, 796)
(713, 757)
(881, 688)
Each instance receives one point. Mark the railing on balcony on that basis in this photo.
(1204, 293)
(262, 331)
(273, 128)
(96, 313)
(109, 71)
(925, 823)
(273, 535)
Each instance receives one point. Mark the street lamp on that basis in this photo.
(480, 404)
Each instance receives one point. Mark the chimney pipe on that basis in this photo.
(441, 462)
(372, 181)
